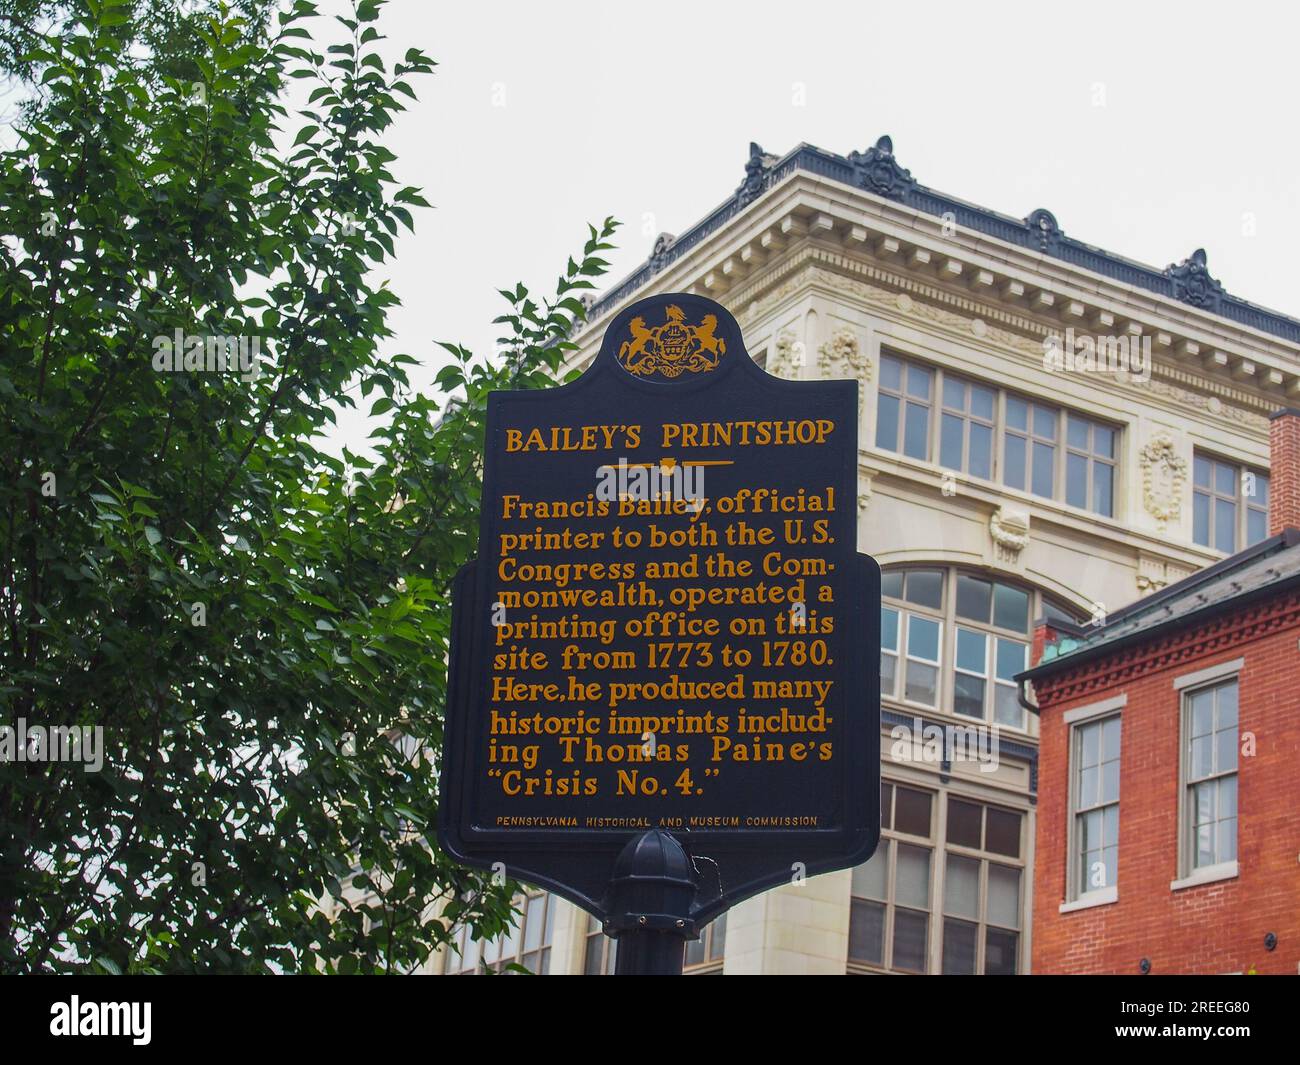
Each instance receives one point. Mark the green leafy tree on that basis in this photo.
(258, 626)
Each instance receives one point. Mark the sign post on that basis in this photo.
(664, 675)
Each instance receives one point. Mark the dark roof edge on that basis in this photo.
(1280, 542)
(1070, 628)
(1194, 617)
(877, 171)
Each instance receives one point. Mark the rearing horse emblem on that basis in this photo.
(671, 349)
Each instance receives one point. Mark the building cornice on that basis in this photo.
(893, 294)
(790, 268)
(875, 176)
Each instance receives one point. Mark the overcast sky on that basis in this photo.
(1149, 129)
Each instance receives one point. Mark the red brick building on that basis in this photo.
(1168, 832)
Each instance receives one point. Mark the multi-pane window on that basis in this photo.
(889, 648)
(966, 427)
(1096, 805)
(989, 434)
(920, 633)
(979, 625)
(1254, 493)
(708, 949)
(465, 952)
(526, 943)
(1229, 504)
(1030, 445)
(981, 889)
(1052, 613)
(1089, 465)
(539, 923)
(921, 678)
(889, 921)
(601, 951)
(903, 408)
(985, 663)
(967, 892)
(1210, 725)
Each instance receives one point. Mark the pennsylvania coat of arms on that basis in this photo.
(671, 349)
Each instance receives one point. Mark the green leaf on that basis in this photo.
(217, 584)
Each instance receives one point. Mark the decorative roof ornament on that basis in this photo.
(659, 256)
(1193, 283)
(757, 170)
(1045, 229)
(876, 170)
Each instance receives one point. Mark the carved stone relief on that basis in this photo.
(1164, 473)
(842, 356)
(1010, 532)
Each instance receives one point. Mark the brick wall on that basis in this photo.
(1284, 471)
(1214, 928)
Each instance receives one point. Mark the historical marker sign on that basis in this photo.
(668, 625)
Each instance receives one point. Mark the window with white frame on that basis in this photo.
(601, 952)
(526, 943)
(955, 640)
(889, 917)
(912, 632)
(1210, 768)
(1095, 757)
(925, 904)
(990, 434)
(983, 882)
(967, 427)
(903, 407)
(1229, 504)
(705, 954)
(889, 649)
(1090, 465)
(1030, 445)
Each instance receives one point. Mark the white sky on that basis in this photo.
(1149, 129)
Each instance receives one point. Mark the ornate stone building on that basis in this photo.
(1047, 429)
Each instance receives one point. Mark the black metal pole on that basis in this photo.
(652, 894)
(649, 953)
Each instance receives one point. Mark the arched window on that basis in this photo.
(953, 640)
